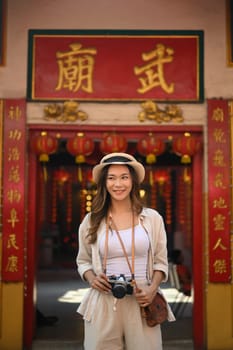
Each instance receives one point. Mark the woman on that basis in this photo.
(119, 222)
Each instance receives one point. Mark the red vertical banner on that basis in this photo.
(219, 194)
(13, 214)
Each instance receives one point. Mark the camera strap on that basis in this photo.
(110, 224)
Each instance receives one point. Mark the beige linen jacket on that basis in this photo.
(89, 257)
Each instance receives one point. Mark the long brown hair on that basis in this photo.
(102, 201)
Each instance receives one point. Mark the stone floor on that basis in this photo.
(60, 291)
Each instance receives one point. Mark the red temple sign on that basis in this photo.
(115, 65)
(219, 195)
(13, 217)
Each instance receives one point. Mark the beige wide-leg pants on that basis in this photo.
(117, 325)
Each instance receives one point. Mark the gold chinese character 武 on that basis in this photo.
(12, 264)
(218, 115)
(220, 266)
(76, 68)
(11, 243)
(152, 73)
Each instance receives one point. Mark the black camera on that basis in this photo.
(120, 286)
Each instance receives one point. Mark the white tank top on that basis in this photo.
(116, 261)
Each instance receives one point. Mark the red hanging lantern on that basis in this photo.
(161, 176)
(113, 142)
(44, 145)
(61, 176)
(80, 146)
(150, 147)
(186, 146)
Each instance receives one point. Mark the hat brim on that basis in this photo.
(138, 167)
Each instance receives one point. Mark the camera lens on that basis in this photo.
(119, 291)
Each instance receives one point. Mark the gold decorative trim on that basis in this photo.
(151, 111)
(66, 112)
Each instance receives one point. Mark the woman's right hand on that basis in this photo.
(100, 283)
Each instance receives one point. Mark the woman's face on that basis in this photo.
(119, 182)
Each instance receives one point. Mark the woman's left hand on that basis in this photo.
(144, 295)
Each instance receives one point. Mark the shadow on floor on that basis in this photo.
(60, 291)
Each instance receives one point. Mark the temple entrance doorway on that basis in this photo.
(61, 191)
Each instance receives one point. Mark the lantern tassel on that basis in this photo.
(151, 179)
(186, 175)
(45, 173)
(80, 175)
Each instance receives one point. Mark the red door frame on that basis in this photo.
(198, 253)
(132, 132)
(30, 274)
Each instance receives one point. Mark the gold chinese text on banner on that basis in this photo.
(13, 214)
(219, 196)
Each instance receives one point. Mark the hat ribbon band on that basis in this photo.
(117, 159)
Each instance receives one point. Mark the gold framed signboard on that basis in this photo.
(115, 65)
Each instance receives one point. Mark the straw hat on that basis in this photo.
(119, 158)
